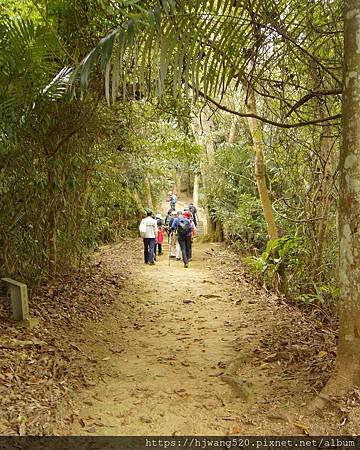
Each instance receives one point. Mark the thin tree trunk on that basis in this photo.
(234, 130)
(149, 198)
(326, 143)
(202, 132)
(347, 366)
(280, 282)
(196, 189)
(209, 225)
(177, 187)
(321, 202)
(137, 200)
(8, 265)
(53, 216)
(260, 170)
(189, 184)
(53, 225)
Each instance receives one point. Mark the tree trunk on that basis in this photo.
(324, 203)
(53, 224)
(218, 233)
(260, 170)
(149, 198)
(53, 215)
(209, 225)
(138, 202)
(234, 130)
(189, 183)
(196, 189)
(177, 187)
(347, 366)
(8, 265)
(202, 132)
(280, 281)
(320, 202)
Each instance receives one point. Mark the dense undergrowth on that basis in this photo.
(234, 202)
(76, 173)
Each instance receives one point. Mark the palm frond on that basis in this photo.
(205, 44)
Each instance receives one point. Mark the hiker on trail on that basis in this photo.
(160, 235)
(183, 227)
(159, 220)
(172, 199)
(193, 210)
(171, 233)
(168, 215)
(148, 231)
(188, 215)
(177, 245)
(171, 210)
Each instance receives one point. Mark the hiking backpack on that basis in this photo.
(142, 228)
(183, 227)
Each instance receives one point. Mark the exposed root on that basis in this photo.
(319, 403)
(337, 386)
(242, 388)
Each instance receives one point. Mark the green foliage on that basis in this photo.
(204, 47)
(233, 199)
(76, 174)
(15, 9)
(323, 295)
(244, 225)
(281, 255)
(112, 212)
(55, 206)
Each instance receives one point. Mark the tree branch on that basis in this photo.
(262, 119)
(309, 96)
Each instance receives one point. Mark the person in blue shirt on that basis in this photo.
(172, 199)
(183, 227)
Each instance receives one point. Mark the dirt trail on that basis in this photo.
(199, 351)
(166, 379)
(134, 349)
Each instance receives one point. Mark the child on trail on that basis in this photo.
(170, 211)
(159, 219)
(160, 235)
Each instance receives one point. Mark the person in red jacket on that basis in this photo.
(160, 235)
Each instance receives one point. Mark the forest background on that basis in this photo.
(105, 106)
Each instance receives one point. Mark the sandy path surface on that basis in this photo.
(198, 351)
(164, 379)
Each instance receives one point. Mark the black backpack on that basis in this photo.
(183, 227)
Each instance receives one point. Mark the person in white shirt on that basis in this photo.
(148, 229)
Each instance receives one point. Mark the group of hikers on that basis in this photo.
(179, 226)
